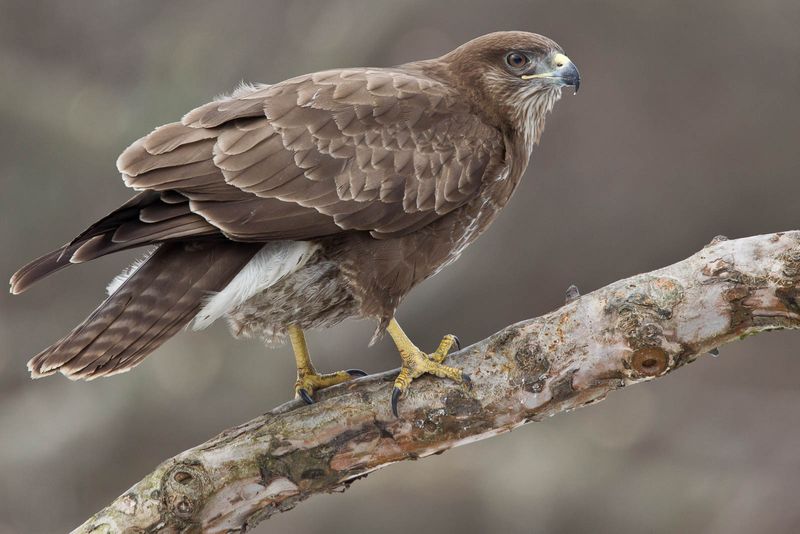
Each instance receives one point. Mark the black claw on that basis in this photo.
(714, 352)
(356, 372)
(305, 396)
(396, 392)
(457, 342)
(467, 380)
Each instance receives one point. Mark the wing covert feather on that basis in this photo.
(378, 150)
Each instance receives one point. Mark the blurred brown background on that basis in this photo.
(687, 126)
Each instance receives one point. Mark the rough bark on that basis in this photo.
(630, 331)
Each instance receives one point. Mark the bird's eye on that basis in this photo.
(516, 60)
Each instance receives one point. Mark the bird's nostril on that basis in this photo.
(560, 64)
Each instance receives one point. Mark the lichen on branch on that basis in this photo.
(630, 331)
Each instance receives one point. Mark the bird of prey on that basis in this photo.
(323, 197)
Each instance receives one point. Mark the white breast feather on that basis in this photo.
(274, 261)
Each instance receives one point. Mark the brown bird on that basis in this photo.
(300, 204)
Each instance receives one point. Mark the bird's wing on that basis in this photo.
(377, 150)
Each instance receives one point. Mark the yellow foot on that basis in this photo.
(416, 363)
(308, 383)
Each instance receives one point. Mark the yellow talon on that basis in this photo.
(416, 363)
(308, 380)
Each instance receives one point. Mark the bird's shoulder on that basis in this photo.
(372, 97)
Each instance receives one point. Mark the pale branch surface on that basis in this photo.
(630, 331)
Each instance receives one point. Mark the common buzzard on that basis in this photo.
(297, 205)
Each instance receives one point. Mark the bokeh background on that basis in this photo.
(687, 126)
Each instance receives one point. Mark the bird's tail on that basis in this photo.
(157, 299)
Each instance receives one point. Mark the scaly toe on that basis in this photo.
(308, 383)
(417, 365)
(448, 342)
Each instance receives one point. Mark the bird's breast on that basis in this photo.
(380, 272)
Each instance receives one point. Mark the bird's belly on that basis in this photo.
(314, 296)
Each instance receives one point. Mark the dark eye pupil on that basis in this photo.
(516, 60)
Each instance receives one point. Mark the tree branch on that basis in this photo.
(630, 331)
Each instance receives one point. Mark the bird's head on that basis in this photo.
(513, 78)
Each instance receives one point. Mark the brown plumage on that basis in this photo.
(330, 194)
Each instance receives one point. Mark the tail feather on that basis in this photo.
(158, 298)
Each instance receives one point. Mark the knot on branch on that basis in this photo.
(650, 361)
(184, 490)
(640, 316)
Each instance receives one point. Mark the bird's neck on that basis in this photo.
(529, 116)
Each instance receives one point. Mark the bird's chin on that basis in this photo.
(543, 89)
(552, 91)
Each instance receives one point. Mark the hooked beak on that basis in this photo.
(564, 72)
